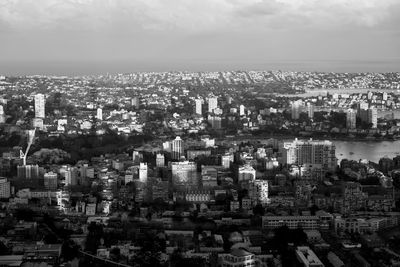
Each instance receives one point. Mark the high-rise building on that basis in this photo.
(226, 160)
(302, 152)
(160, 160)
(50, 181)
(310, 110)
(2, 115)
(212, 103)
(99, 115)
(246, 173)
(296, 109)
(215, 121)
(5, 188)
(70, 174)
(198, 106)
(373, 117)
(40, 102)
(177, 148)
(28, 172)
(143, 172)
(351, 118)
(184, 173)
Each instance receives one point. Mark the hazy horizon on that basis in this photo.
(78, 37)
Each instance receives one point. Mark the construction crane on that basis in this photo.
(31, 136)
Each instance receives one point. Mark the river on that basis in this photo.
(370, 150)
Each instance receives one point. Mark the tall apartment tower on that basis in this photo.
(177, 148)
(296, 109)
(373, 117)
(143, 172)
(40, 102)
(351, 118)
(198, 106)
(212, 103)
(310, 110)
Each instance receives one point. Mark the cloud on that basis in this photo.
(190, 15)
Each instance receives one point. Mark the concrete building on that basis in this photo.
(160, 160)
(296, 107)
(292, 222)
(310, 110)
(353, 197)
(318, 154)
(307, 257)
(351, 117)
(226, 160)
(198, 106)
(28, 172)
(184, 173)
(143, 172)
(50, 181)
(238, 258)
(5, 188)
(241, 110)
(177, 148)
(99, 115)
(246, 173)
(212, 103)
(260, 191)
(37, 123)
(40, 102)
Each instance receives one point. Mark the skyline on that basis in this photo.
(92, 37)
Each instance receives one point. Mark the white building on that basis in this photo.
(177, 148)
(212, 103)
(99, 115)
(40, 102)
(246, 173)
(302, 152)
(241, 110)
(143, 172)
(37, 123)
(226, 160)
(297, 107)
(198, 106)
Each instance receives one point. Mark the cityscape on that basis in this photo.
(236, 166)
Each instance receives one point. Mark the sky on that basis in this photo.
(73, 37)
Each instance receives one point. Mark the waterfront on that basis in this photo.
(370, 150)
(356, 150)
